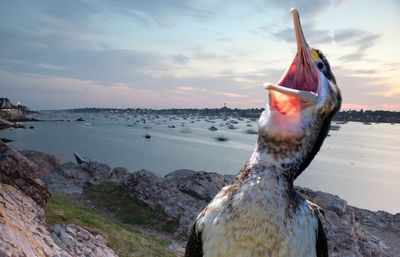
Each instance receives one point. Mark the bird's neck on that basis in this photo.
(263, 167)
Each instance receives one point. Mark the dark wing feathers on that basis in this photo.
(322, 241)
(194, 247)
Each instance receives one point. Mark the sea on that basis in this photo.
(358, 162)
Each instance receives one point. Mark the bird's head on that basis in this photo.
(301, 105)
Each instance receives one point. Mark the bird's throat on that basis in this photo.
(261, 167)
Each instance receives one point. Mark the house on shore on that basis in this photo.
(11, 112)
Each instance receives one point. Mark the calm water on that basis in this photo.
(359, 163)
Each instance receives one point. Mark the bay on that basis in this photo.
(359, 163)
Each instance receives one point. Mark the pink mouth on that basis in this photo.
(302, 74)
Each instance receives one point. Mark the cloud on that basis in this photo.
(309, 8)
(233, 95)
(102, 65)
(371, 92)
(200, 54)
(180, 59)
(313, 36)
(359, 40)
(159, 12)
(47, 92)
(185, 89)
(56, 51)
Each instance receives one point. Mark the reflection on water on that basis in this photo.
(360, 163)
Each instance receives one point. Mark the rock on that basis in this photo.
(383, 225)
(6, 140)
(4, 124)
(345, 236)
(22, 226)
(24, 174)
(97, 171)
(163, 193)
(45, 162)
(87, 171)
(118, 174)
(182, 194)
(202, 185)
(80, 242)
(23, 231)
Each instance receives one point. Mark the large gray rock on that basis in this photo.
(345, 236)
(22, 226)
(45, 162)
(23, 231)
(118, 174)
(86, 172)
(182, 194)
(70, 178)
(24, 174)
(383, 225)
(199, 184)
(79, 242)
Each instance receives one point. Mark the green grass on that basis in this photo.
(113, 198)
(126, 242)
(7, 181)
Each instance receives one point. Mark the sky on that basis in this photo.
(187, 53)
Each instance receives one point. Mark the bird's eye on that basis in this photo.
(320, 65)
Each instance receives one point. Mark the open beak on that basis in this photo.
(299, 86)
(300, 40)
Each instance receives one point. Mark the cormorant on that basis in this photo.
(259, 213)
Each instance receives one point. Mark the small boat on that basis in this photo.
(221, 138)
(80, 119)
(212, 128)
(147, 136)
(171, 126)
(6, 140)
(186, 130)
(251, 132)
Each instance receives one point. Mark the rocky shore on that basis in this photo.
(29, 178)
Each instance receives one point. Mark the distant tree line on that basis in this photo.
(349, 115)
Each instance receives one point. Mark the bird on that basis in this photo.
(259, 214)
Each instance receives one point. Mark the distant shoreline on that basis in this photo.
(342, 116)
